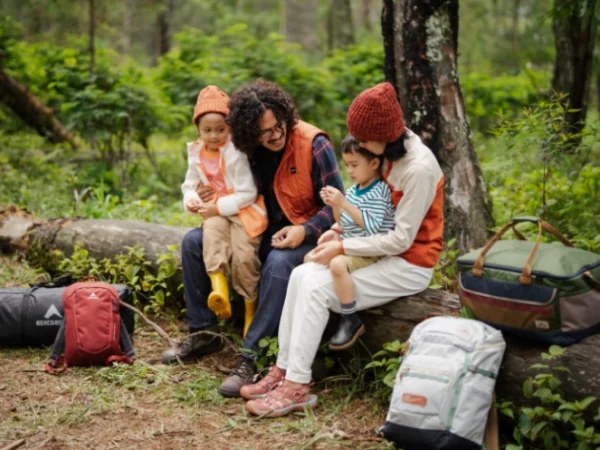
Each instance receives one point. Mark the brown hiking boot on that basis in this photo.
(242, 375)
(193, 348)
(283, 400)
(267, 384)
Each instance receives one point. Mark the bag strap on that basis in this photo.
(590, 279)
(525, 278)
(56, 367)
(119, 359)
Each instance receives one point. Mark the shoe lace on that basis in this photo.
(245, 370)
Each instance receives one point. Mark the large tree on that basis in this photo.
(340, 27)
(421, 40)
(302, 22)
(575, 24)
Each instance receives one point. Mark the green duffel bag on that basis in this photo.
(547, 292)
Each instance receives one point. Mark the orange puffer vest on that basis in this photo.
(293, 184)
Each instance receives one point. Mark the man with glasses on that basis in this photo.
(291, 161)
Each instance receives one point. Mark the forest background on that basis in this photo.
(121, 78)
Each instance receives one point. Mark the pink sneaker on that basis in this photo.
(283, 400)
(267, 384)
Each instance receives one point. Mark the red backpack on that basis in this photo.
(92, 332)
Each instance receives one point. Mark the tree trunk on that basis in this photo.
(574, 24)
(340, 28)
(92, 31)
(33, 112)
(164, 29)
(395, 320)
(420, 41)
(302, 22)
(367, 23)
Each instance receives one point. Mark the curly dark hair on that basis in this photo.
(248, 105)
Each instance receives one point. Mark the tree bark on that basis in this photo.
(164, 29)
(395, 320)
(421, 44)
(575, 25)
(367, 22)
(302, 22)
(32, 111)
(92, 31)
(340, 28)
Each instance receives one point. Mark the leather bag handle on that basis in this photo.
(525, 278)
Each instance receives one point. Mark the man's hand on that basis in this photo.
(207, 210)
(289, 237)
(332, 197)
(193, 205)
(329, 235)
(206, 193)
(324, 253)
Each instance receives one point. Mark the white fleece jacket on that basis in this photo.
(238, 178)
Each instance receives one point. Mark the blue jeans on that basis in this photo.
(277, 266)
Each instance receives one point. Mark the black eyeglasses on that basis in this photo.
(265, 135)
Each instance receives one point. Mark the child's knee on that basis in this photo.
(338, 266)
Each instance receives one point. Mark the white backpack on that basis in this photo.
(444, 387)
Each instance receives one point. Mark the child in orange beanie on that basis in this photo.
(235, 218)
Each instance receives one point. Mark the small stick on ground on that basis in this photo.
(171, 342)
(14, 445)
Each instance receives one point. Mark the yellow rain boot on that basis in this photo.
(218, 299)
(250, 308)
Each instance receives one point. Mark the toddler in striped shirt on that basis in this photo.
(366, 209)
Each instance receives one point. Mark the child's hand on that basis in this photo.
(207, 210)
(193, 205)
(332, 196)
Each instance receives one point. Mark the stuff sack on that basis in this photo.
(92, 332)
(546, 292)
(444, 387)
(33, 316)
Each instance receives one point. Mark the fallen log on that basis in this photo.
(108, 238)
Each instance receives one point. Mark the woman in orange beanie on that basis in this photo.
(408, 252)
(233, 222)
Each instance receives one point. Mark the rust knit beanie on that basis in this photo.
(211, 99)
(375, 115)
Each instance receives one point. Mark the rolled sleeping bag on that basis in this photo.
(32, 316)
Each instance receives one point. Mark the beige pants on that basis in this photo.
(224, 239)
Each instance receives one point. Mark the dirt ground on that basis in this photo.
(152, 406)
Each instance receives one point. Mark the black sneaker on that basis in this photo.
(194, 347)
(242, 375)
(350, 328)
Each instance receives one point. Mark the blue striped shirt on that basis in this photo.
(376, 207)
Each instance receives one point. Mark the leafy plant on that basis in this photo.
(539, 172)
(444, 272)
(149, 289)
(384, 366)
(551, 422)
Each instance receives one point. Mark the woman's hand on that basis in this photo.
(208, 210)
(206, 193)
(324, 253)
(289, 237)
(329, 235)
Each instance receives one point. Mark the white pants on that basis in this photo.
(310, 296)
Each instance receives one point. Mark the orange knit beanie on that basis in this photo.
(375, 115)
(211, 99)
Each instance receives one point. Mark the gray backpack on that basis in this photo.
(444, 387)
